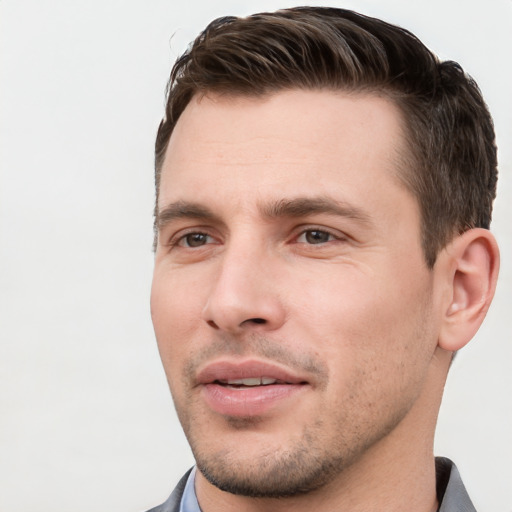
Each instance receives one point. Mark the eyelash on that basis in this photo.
(178, 241)
(305, 231)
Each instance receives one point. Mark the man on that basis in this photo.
(324, 193)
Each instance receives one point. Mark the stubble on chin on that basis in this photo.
(305, 461)
(274, 473)
(298, 470)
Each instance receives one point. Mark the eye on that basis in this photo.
(315, 237)
(194, 240)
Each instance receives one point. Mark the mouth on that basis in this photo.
(248, 389)
(247, 374)
(250, 382)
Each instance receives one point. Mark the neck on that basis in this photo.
(397, 474)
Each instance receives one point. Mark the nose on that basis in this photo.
(244, 295)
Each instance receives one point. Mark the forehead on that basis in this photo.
(288, 142)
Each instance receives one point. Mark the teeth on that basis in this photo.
(252, 381)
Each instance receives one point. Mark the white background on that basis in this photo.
(86, 421)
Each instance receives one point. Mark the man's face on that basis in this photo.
(292, 306)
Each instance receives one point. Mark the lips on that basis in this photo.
(249, 388)
(224, 371)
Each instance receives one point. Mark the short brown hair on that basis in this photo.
(452, 166)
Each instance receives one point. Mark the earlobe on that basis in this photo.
(472, 275)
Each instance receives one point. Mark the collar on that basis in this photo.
(189, 499)
(451, 493)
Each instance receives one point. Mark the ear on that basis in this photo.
(471, 265)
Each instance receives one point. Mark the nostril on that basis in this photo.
(227, 326)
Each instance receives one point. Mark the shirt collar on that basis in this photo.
(189, 499)
(451, 493)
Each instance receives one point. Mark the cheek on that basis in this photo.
(176, 315)
(378, 347)
(370, 322)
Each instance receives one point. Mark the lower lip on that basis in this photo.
(244, 402)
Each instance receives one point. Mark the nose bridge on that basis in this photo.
(243, 294)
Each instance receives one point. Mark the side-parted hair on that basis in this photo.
(451, 165)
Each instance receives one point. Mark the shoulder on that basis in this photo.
(451, 493)
(172, 504)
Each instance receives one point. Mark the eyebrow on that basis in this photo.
(184, 210)
(295, 208)
(304, 206)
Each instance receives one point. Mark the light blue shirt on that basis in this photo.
(189, 499)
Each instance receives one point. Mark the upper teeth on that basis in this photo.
(253, 381)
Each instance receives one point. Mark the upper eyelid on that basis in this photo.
(182, 240)
(179, 235)
(213, 233)
(333, 232)
(327, 231)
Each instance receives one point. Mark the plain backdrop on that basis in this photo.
(86, 420)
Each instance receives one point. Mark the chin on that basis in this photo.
(281, 478)
(303, 467)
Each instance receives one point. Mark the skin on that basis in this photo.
(339, 296)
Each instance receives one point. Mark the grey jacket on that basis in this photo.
(173, 501)
(451, 492)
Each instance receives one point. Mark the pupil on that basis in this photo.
(317, 237)
(196, 239)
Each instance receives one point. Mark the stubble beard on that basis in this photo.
(298, 470)
(303, 466)
(305, 463)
